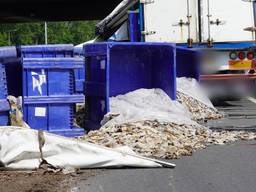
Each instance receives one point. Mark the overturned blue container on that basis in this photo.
(188, 63)
(4, 105)
(5, 54)
(49, 95)
(118, 68)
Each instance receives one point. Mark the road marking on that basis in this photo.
(252, 99)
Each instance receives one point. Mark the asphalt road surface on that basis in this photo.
(239, 115)
(229, 168)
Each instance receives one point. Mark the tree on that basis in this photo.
(74, 32)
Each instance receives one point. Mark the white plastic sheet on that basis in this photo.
(19, 149)
(146, 104)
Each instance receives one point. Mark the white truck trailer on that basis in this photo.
(223, 29)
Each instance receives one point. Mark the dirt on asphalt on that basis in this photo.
(41, 181)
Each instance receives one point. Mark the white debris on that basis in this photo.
(191, 88)
(198, 110)
(191, 95)
(224, 137)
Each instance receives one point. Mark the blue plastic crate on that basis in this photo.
(4, 105)
(49, 95)
(118, 68)
(188, 63)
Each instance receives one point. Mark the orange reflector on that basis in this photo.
(235, 65)
(253, 64)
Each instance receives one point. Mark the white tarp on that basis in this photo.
(146, 104)
(19, 149)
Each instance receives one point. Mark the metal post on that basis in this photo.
(9, 37)
(254, 16)
(210, 41)
(200, 19)
(189, 16)
(253, 28)
(45, 33)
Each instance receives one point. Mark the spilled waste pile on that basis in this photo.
(190, 94)
(152, 138)
(151, 124)
(198, 110)
(163, 140)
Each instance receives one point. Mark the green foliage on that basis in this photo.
(74, 32)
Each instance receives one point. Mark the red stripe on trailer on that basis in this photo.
(228, 76)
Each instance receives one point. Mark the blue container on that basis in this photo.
(187, 63)
(4, 105)
(5, 53)
(49, 96)
(118, 68)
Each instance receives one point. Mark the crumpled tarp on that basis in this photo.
(19, 149)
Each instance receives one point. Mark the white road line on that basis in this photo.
(252, 99)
